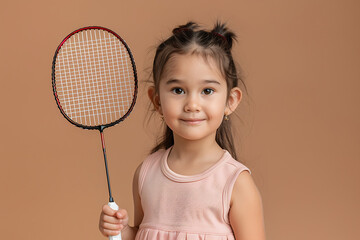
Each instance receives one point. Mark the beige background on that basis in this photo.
(300, 134)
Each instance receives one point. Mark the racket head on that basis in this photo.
(94, 78)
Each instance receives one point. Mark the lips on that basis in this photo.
(192, 121)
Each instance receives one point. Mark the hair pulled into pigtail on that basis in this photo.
(221, 31)
(188, 27)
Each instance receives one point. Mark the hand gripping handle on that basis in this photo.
(114, 206)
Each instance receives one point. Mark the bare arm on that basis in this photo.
(246, 210)
(128, 232)
(111, 221)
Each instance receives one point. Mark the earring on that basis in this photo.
(162, 117)
(226, 117)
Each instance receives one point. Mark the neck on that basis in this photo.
(195, 150)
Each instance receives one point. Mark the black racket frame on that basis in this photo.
(98, 127)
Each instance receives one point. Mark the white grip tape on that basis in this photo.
(114, 206)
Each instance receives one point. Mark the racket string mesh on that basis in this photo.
(94, 78)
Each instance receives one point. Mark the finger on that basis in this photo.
(111, 219)
(121, 213)
(108, 210)
(111, 226)
(108, 233)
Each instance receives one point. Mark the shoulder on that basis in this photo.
(233, 165)
(245, 189)
(150, 162)
(154, 156)
(234, 171)
(137, 173)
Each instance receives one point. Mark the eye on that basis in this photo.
(177, 90)
(208, 91)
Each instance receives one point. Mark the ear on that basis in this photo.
(155, 99)
(233, 100)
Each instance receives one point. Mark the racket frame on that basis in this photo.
(98, 127)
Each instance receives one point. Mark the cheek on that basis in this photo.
(168, 107)
(216, 107)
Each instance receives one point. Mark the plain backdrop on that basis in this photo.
(298, 130)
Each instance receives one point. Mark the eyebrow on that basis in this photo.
(171, 81)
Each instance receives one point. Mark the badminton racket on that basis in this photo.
(95, 83)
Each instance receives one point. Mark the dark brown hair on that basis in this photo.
(216, 44)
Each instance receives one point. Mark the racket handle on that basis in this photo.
(114, 206)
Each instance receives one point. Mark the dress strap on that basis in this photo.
(145, 167)
(229, 188)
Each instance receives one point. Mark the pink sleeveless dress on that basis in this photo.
(178, 207)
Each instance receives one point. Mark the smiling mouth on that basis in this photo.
(192, 121)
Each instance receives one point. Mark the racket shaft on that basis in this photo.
(106, 165)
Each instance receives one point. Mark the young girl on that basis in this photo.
(190, 186)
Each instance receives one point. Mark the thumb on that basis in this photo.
(121, 213)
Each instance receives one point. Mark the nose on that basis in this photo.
(192, 104)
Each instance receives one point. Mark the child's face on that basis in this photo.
(192, 96)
